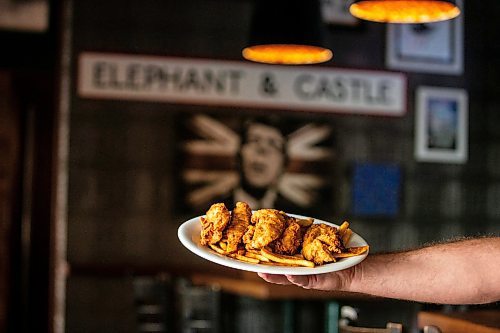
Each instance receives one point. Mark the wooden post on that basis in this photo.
(9, 155)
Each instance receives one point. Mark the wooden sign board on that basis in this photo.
(233, 83)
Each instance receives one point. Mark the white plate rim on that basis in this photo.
(189, 235)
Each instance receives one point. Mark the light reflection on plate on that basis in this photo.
(189, 235)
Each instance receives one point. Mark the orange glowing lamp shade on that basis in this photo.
(404, 11)
(287, 32)
(287, 54)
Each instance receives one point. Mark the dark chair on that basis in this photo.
(390, 328)
(348, 315)
(151, 295)
(199, 308)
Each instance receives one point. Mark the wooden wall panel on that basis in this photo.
(9, 147)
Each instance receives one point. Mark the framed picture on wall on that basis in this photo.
(266, 161)
(441, 125)
(427, 48)
(336, 12)
(24, 16)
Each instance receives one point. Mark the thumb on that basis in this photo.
(304, 281)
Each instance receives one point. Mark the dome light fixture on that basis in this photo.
(287, 54)
(287, 32)
(404, 11)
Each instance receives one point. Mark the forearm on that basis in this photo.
(453, 273)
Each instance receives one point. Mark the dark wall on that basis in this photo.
(122, 167)
(119, 148)
(28, 66)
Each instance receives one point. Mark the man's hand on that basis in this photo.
(330, 281)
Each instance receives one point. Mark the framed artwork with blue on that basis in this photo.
(376, 190)
(441, 125)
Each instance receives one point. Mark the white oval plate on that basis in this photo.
(189, 235)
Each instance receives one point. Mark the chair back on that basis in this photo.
(151, 303)
(199, 308)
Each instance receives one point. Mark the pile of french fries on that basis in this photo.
(266, 256)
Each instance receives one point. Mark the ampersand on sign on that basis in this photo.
(268, 85)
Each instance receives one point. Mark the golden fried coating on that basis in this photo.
(271, 237)
(291, 238)
(321, 242)
(214, 223)
(317, 252)
(269, 225)
(247, 237)
(240, 221)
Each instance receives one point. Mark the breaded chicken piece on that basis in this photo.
(291, 238)
(240, 221)
(214, 223)
(247, 237)
(320, 242)
(269, 225)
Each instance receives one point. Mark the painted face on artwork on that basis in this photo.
(262, 155)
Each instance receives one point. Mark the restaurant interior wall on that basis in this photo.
(122, 167)
(28, 113)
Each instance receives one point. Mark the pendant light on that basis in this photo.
(404, 11)
(286, 32)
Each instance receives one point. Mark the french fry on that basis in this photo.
(343, 227)
(346, 237)
(352, 251)
(243, 258)
(283, 259)
(258, 256)
(305, 222)
(345, 232)
(272, 263)
(223, 245)
(217, 249)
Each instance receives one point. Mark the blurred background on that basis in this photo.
(94, 188)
